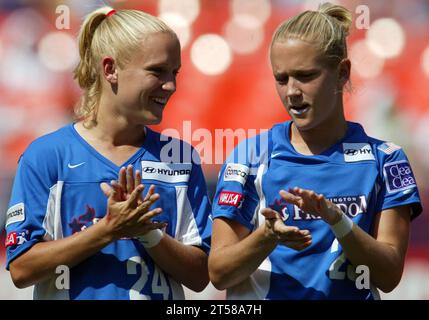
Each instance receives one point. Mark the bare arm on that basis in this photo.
(384, 254)
(184, 263)
(236, 253)
(41, 260)
(125, 218)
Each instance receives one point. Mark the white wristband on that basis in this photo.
(151, 239)
(342, 227)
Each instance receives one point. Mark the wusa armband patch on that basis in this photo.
(230, 198)
(399, 176)
(17, 238)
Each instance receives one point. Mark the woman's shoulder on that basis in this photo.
(382, 149)
(48, 144)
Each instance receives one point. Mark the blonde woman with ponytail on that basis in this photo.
(320, 211)
(96, 211)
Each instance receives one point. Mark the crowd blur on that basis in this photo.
(225, 87)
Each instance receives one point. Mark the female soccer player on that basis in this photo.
(60, 222)
(273, 236)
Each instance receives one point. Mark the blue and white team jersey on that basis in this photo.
(57, 192)
(362, 175)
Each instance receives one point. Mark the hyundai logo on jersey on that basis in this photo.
(357, 152)
(166, 172)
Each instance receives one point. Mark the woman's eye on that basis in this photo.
(282, 81)
(156, 71)
(306, 77)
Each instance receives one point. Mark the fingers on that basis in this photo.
(138, 179)
(122, 178)
(149, 215)
(112, 191)
(107, 190)
(135, 196)
(285, 232)
(306, 200)
(130, 179)
(306, 195)
(119, 192)
(146, 204)
(269, 213)
(149, 226)
(297, 245)
(150, 193)
(290, 198)
(321, 203)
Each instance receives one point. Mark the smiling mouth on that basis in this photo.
(299, 110)
(159, 101)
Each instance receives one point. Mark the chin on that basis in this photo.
(152, 118)
(304, 124)
(153, 122)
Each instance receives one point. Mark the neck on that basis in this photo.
(316, 140)
(114, 129)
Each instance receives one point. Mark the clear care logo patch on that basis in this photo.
(354, 152)
(15, 213)
(398, 176)
(236, 172)
(166, 172)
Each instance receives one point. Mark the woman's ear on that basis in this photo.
(344, 71)
(110, 71)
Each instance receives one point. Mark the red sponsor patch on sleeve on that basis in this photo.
(11, 239)
(230, 198)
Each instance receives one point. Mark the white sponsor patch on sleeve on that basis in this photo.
(399, 176)
(15, 214)
(236, 172)
(354, 152)
(166, 172)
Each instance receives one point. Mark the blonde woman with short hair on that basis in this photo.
(276, 238)
(152, 234)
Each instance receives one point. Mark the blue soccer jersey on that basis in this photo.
(57, 192)
(361, 175)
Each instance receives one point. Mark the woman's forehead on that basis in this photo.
(158, 48)
(295, 54)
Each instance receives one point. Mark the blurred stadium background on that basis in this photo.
(225, 82)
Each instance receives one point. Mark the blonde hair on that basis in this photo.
(117, 35)
(327, 28)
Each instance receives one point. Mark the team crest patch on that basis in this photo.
(15, 213)
(399, 176)
(354, 152)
